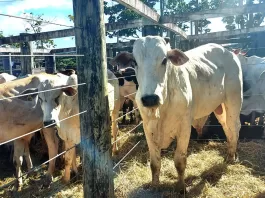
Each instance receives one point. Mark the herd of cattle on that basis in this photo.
(173, 91)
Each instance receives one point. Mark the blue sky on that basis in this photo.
(56, 11)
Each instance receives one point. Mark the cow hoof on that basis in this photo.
(231, 159)
(115, 150)
(18, 186)
(180, 187)
(65, 180)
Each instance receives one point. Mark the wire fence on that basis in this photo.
(42, 165)
(36, 20)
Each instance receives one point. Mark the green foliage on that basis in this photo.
(1, 34)
(119, 13)
(175, 7)
(241, 21)
(36, 23)
(62, 62)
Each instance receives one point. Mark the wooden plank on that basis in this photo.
(225, 41)
(140, 8)
(174, 28)
(221, 12)
(95, 123)
(37, 36)
(70, 32)
(145, 11)
(225, 34)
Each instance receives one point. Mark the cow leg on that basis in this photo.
(124, 109)
(69, 157)
(153, 142)
(52, 143)
(180, 156)
(261, 119)
(27, 156)
(229, 119)
(253, 117)
(131, 114)
(19, 147)
(74, 165)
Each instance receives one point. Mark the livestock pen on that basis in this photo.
(207, 175)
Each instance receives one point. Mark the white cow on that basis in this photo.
(176, 88)
(19, 116)
(5, 77)
(62, 103)
(57, 105)
(253, 69)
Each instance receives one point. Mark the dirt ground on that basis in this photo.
(206, 174)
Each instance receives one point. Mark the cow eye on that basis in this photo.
(57, 100)
(164, 62)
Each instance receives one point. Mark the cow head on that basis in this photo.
(155, 60)
(123, 60)
(52, 101)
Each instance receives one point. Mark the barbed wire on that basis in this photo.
(126, 154)
(41, 166)
(47, 22)
(6, 98)
(125, 114)
(41, 128)
(127, 133)
(42, 55)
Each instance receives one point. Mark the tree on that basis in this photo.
(36, 23)
(175, 7)
(1, 34)
(244, 20)
(63, 62)
(119, 13)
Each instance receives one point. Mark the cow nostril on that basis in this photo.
(150, 100)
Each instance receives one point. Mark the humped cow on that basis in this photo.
(253, 69)
(178, 87)
(62, 103)
(19, 116)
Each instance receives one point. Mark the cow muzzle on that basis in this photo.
(50, 123)
(150, 100)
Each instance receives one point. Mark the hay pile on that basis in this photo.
(206, 174)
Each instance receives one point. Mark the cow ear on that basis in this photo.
(123, 59)
(69, 91)
(177, 57)
(33, 94)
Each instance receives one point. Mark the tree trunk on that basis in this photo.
(93, 97)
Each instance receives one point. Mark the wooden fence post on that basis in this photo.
(26, 61)
(93, 97)
(50, 64)
(10, 63)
